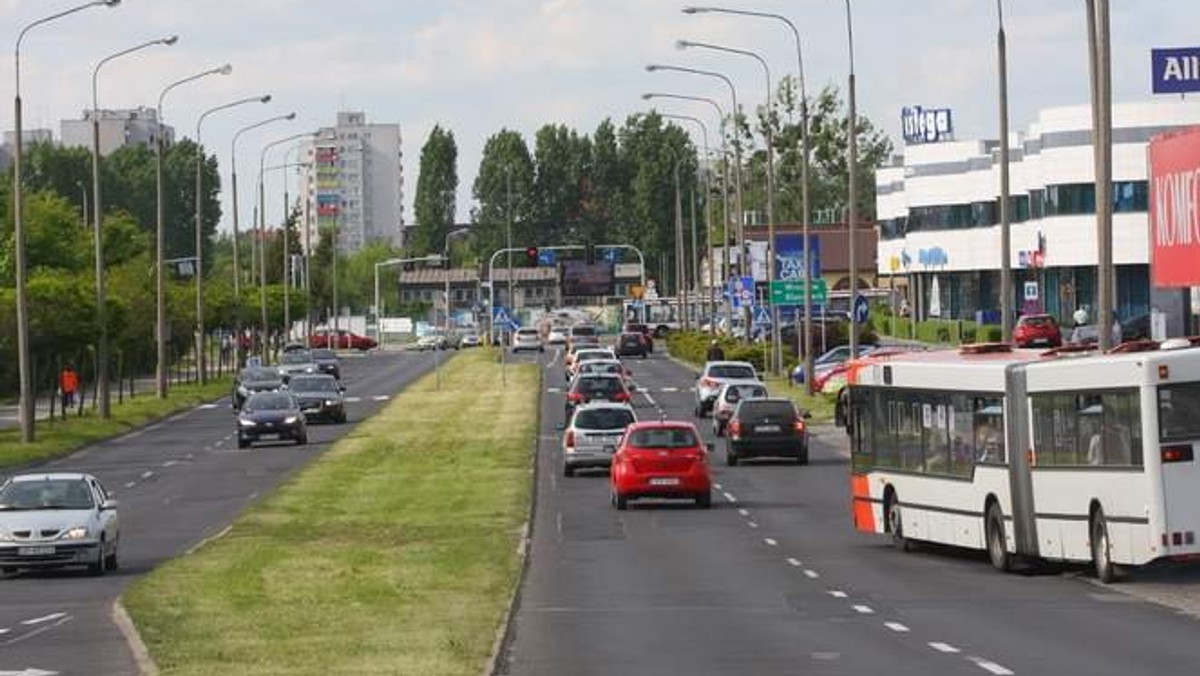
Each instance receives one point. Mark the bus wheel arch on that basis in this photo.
(893, 520)
(995, 540)
(1101, 545)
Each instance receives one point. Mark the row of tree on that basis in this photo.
(616, 184)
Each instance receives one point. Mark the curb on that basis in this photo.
(497, 663)
(141, 655)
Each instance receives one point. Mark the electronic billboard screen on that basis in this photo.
(580, 278)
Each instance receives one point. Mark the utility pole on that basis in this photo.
(1006, 282)
(1100, 59)
(852, 165)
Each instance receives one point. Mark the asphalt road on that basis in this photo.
(775, 580)
(177, 482)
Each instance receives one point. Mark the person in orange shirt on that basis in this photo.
(68, 384)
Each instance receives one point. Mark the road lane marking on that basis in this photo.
(4, 630)
(169, 463)
(720, 487)
(752, 524)
(649, 398)
(553, 390)
(381, 397)
(730, 498)
(795, 563)
(863, 610)
(743, 512)
(943, 647)
(353, 400)
(990, 666)
(811, 574)
(896, 627)
(130, 484)
(147, 474)
(207, 407)
(29, 671)
(770, 542)
(837, 594)
(46, 618)
(669, 389)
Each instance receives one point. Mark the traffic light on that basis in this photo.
(531, 256)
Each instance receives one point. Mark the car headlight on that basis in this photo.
(5, 536)
(246, 422)
(243, 391)
(330, 402)
(77, 533)
(290, 420)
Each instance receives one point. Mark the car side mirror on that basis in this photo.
(558, 427)
(109, 504)
(710, 447)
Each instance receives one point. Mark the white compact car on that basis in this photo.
(57, 520)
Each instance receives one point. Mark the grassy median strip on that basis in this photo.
(61, 437)
(820, 405)
(393, 553)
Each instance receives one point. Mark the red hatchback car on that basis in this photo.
(341, 340)
(1037, 331)
(664, 459)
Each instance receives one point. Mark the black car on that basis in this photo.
(319, 396)
(766, 428)
(255, 379)
(271, 416)
(596, 387)
(633, 327)
(327, 362)
(632, 344)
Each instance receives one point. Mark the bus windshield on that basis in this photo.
(1179, 412)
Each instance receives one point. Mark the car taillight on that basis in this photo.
(570, 438)
(798, 426)
(735, 429)
(621, 396)
(575, 397)
(1178, 453)
(708, 382)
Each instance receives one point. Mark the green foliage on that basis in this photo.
(503, 187)
(437, 184)
(692, 347)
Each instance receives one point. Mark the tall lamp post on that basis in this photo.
(98, 226)
(446, 319)
(776, 351)
(852, 165)
(727, 259)
(199, 218)
(744, 258)
(287, 267)
(1100, 62)
(1006, 285)
(804, 151)
(262, 221)
(707, 210)
(26, 403)
(160, 305)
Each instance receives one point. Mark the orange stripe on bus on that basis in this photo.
(864, 512)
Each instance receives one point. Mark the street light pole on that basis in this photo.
(160, 331)
(262, 229)
(102, 374)
(1100, 52)
(707, 210)
(25, 372)
(1006, 285)
(446, 278)
(199, 219)
(737, 167)
(852, 165)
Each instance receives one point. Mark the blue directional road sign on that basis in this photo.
(741, 292)
(501, 317)
(546, 257)
(861, 309)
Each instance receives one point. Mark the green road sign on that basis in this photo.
(791, 292)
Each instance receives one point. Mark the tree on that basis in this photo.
(562, 158)
(437, 185)
(506, 169)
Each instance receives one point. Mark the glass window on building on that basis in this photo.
(1037, 204)
(1130, 196)
(1071, 199)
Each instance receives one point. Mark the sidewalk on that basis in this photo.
(10, 415)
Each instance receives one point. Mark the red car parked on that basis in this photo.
(342, 340)
(660, 460)
(1037, 331)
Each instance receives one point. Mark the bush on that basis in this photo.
(990, 333)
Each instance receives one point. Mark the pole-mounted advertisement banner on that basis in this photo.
(1174, 160)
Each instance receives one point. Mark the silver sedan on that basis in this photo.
(57, 520)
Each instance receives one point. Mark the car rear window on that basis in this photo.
(527, 333)
(601, 367)
(583, 331)
(664, 437)
(757, 410)
(604, 419)
(731, 371)
(1038, 321)
(739, 392)
(588, 355)
(593, 385)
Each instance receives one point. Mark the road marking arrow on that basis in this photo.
(38, 620)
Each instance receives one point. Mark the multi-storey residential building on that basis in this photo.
(118, 128)
(938, 210)
(354, 182)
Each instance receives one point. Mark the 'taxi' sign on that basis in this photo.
(1175, 209)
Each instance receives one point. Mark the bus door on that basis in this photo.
(1179, 443)
(1020, 477)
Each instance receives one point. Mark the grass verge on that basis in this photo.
(62, 437)
(393, 553)
(820, 405)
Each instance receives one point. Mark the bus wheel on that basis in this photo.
(1106, 570)
(996, 545)
(895, 523)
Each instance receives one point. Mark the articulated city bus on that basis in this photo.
(1082, 457)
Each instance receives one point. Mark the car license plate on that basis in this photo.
(766, 428)
(665, 481)
(269, 437)
(35, 551)
(610, 449)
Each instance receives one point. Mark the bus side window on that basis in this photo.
(988, 430)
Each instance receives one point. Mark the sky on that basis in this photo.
(478, 66)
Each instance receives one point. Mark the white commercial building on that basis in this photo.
(938, 211)
(118, 128)
(354, 183)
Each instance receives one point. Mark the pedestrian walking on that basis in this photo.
(715, 353)
(68, 385)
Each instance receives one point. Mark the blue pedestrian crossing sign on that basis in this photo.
(501, 317)
(761, 315)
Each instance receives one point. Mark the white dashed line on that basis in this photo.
(794, 562)
(752, 524)
(381, 397)
(170, 463)
(720, 487)
(4, 631)
(553, 390)
(46, 618)
(743, 512)
(896, 626)
(353, 400)
(649, 398)
(943, 647)
(130, 484)
(863, 610)
(669, 389)
(811, 574)
(990, 666)
(729, 497)
(837, 594)
(207, 407)
(147, 474)
(770, 542)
